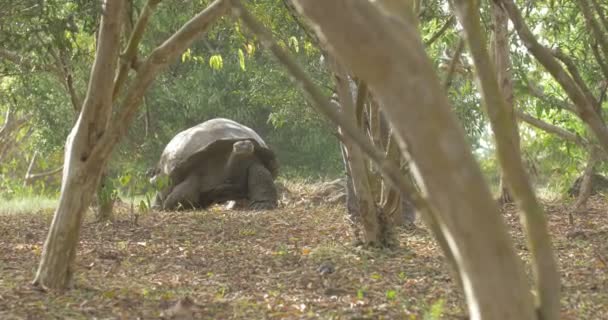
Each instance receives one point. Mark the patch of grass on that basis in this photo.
(28, 204)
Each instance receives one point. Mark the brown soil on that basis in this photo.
(278, 264)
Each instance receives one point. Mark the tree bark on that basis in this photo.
(390, 57)
(93, 138)
(372, 233)
(502, 62)
(586, 187)
(78, 184)
(507, 145)
(9, 130)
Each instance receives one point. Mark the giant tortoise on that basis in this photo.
(217, 161)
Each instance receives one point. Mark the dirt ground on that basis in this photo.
(293, 263)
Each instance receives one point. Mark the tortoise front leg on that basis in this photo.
(184, 195)
(261, 190)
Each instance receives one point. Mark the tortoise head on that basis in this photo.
(243, 147)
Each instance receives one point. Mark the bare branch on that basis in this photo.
(585, 108)
(441, 31)
(600, 13)
(29, 178)
(156, 62)
(552, 129)
(600, 61)
(128, 57)
(576, 76)
(536, 91)
(592, 24)
(453, 63)
(547, 281)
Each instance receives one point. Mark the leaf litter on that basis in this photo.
(296, 262)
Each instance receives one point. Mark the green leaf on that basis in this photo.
(242, 59)
(216, 62)
(360, 294)
(250, 48)
(187, 55)
(143, 207)
(539, 110)
(391, 294)
(125, 179)
(293, 43)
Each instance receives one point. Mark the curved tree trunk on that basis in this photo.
(94, 136)
(79, 182)
(533, 218)
(390, 57)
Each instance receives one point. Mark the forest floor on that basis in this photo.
(219, 264)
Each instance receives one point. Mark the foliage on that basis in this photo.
(229, 74)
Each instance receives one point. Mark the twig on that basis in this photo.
(600, 61)
(441, 31)
(549, 128)
(453, 63)
(575, 75)
(584, 107)
(128, 57)
(592, 24)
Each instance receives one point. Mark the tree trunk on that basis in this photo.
(390, 58)
(502, 62)
(544, 266)
(361, 187)
(93, 138)
(105, 199)
(79, 179)
(586, 187)
(585, 108)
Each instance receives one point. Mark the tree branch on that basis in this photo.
(585, 108)
(128, 57)
(389, 55)
(600, 13)
(441, 31)
(600, 61)
(30, 177)
(592, 24)
(533, 218)
(323, 105)
(453, 63)
(19, 60)
(576, 76)
(535, 90)
(552, 129)
(158, 60)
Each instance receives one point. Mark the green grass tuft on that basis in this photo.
(28, 204)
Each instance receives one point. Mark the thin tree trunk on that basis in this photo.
(584, 108)
(586, 187)
(390, 57)
(105, 199)
(79, 184)
(502, 62)
(93, 138)
(372, 233)
(501, 117)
